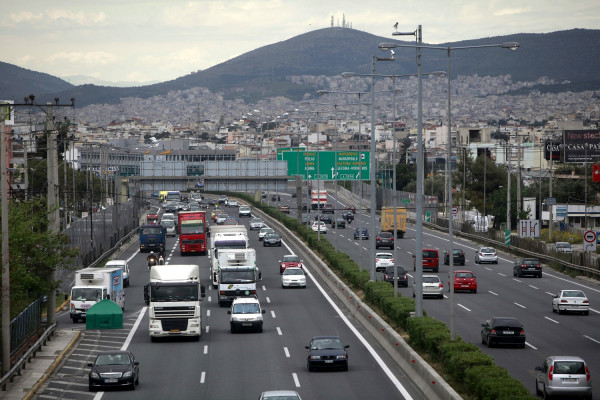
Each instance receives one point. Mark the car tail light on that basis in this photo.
(563, 301)
(522, 333)
(587, 374)
(441, 285)
(493, 332)
(550, 372)
(378, 238)
(387, 276)
(586, 302)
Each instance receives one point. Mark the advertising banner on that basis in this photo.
(581, 145)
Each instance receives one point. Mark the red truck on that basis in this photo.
(192, 232)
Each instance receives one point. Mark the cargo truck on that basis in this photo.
(234, 238)
(173, 296)
(387, 220)
(231, 257)
(93, 285)
(237, 281)
(152, 238)
(318, 198)
(192, 232)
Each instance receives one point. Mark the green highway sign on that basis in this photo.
(328, 165)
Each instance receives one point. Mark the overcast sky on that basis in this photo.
(152, 40)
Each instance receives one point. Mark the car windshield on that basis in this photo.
(86, 294)
(385, 256)
(293, 271)
(327, 344)
(431, 279)
(569, 367)
(256, 221)
(563, 245)
(246, 308)
(429, 254)
(112, 359)
(271, 236)
(573, 293)
(457, 252)
(464, 275)
(291, 259)
(487, 250)
(266, 231)
(168, 223)
(530, 262)
(174, 293)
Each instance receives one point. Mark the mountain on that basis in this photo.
(84, 79)
(265, 72)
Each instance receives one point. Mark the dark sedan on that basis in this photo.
(503, 330)
(325, 218)
(114, 369)
(459, 257)
(388, 276)
(339, 223)
(272, 239)
(361, 233)
(326, 352)
(527, 266)
(384, 239)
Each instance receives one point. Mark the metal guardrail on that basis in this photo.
(20, 364)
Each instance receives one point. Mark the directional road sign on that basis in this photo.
(328, 165)
(589, 241)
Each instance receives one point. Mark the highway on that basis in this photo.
(223, 365)
(499, 294)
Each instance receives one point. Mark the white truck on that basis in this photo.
(93, 285)
(232, 257)
(173, 296)
(225, 237)
(237, 281)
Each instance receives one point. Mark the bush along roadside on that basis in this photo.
(467, 368)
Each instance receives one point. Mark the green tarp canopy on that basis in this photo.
(104, 315)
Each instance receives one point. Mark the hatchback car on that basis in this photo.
(503, 330)
(263, 232)
(361, 233)
(384, 239)
(570, 301)
(562, 247)
(279, 395)
(221, 218)
(432, 287)
(319, 226)
(527, 266)
(383, 260)
(486, 255)
(256, 223)
(326, 352)
(388, 275)
(284, 208)
(233, 203)
(459, 257)
(563, 376)
(325, 218)
(272, 239)
(290, 261)
(339, 223)
(431, 260)
(244, 211)
(170, 227)
(117, 368)
(464, 280)
(293, 277)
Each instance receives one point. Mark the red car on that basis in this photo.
(289, 260)
(464, 280)
(152, 218)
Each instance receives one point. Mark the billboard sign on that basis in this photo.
(581, 145)
(8, 112)
(328, 165)
(552, 149)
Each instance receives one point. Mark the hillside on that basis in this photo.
(261, 73)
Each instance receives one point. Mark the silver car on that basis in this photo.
(432, 287)
(256, 223)
(563, 376)
(486, 255)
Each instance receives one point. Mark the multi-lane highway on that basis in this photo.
(499, 294)
(223, 365)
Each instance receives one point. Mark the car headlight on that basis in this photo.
(315, 357)
(342, 357)
(94, 375)
(127, 374)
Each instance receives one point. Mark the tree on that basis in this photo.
(405, 174)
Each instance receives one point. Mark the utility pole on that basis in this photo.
(5, 249)
(52, 200)
(518, 177)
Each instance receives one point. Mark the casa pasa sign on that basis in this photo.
(581, 145)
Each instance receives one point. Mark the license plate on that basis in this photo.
(570, 380)
(507, 332)
(464, 285)
(246, 324)
(111, 380)
(82, 315)
(174, 330)
(328, 361)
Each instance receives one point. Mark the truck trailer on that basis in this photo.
(93, 285)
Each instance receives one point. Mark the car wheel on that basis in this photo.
(91, 388)
(475, 291)
(308, 367)
(540, 275)
(345, 368)
(482, 339)
(132, 387)
(436, 270)
(495, 262)
(441, 297)
(545, 394)
(489, 343)
(558, 310)
(137, 380)
(586, 312)
(260, 329)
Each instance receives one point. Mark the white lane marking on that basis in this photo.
(273, 314)
(552, 320)
(378, 359)
(268, 299)
(596, 311)
(208, 313)
(592, 339)
(205, 349)
(264, 287)
(207, 328)
(460, 305)
(520, 305)
(296, 381)
(529, 344)
(517, 280)
(202, 377)
(551, 294)
(501, 274)
(279, 331)
(135, 327)
(209, 299)
(495, 294)
(287, 352)
(533, 287)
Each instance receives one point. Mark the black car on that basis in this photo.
(384, 239)
(272, 239)
(361, 233)
(325, 218)
(527, 266)
(503, 330)
(339, 223)
(171, 207)
(388, 276)
(459, 257)
(326, 352)
(328, 209)
(275, 197)
(114, 369)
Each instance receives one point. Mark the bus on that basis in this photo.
(192, 232)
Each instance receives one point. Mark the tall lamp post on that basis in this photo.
(385, 46)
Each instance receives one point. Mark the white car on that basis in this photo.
(246, 314)
(221, 218)
(293, 277)
(570, 301)
(244, 211)
(169, 225)
(562, 247)
(168, 216)
(233, 203)
(486, 255)
(383, 260)
(263, 232)
(256, 223)
(124, 266)
(432, 287)
(319, 226)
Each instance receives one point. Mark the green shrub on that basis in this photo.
(457, 363)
